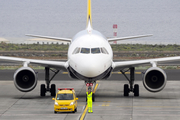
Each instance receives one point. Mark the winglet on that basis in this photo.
(89, 18)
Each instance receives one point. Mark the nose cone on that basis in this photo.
(90, 65)
(91, 68)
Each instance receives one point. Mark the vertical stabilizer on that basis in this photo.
(89, 17)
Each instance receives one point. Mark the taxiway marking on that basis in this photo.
(85, 110)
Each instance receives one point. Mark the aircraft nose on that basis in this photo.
(91, 68)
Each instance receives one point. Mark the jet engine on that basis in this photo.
(154, 79)
(25, 79)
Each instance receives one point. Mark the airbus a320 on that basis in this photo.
(90, 58)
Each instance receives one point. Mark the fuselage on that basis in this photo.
(90, 56)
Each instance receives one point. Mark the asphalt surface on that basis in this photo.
(109, 102)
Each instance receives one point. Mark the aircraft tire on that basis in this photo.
(126, 90)
(136, 90)
(53, 90)
(43, 90)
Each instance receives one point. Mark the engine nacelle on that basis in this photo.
(154, 79)
(25, 79)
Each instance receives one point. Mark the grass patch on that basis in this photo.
(17, 67)
(64, 47)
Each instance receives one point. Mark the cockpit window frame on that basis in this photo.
(77, 50)
(104, 51)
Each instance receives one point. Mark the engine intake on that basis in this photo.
(154, 79)
(25, 79)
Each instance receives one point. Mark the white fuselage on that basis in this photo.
(90, 54)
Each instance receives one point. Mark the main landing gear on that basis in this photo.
(46, 88)
(129, 88)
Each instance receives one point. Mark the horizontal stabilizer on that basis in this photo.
(129, 37)
(49, 37)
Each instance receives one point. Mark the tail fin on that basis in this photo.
(89, 17)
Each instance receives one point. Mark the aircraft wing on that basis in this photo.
(126, 64)
(53, 64)
(49, 37)
(129, 37)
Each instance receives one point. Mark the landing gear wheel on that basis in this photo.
(53, 90)
(93, 97)
(43, 90)
(136, 90)
(126, 90)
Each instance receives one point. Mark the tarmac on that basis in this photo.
(109, 102)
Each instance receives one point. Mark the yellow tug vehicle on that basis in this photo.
(65, 100)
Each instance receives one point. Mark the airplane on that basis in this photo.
(90, 58)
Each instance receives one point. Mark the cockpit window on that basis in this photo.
(77, 50)
(85, 50)
(103, 50)
(95, 50)
(90, 50)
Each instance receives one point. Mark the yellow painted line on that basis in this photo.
(95, 88)
(105, 104)
(65, 73)
(98, 81)
(84, 113)
(85, 110)
(125, 73)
